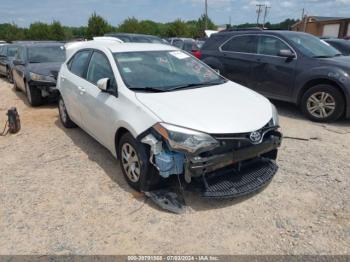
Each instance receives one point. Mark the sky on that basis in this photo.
(77, 12)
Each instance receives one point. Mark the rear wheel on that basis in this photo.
(64, 117)
(323, 103)
(33, 95)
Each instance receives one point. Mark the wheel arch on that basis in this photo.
(118, 134)
(320, 81)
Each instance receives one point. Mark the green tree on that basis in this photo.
(97, 26)
(177, 29)
(38, 31)
(57, 31)
(202, 21)
(148, 27)
(129, 25)
(11, 32)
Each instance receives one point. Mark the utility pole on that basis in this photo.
(206, 14)
(302, 13)
(258, 11)
(265, 14)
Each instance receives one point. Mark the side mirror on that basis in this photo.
(18, 62)
(287, 53)
(103, 84)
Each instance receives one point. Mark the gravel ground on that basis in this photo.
(63, 193)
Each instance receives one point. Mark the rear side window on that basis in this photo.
(99, 68)
(269, 45)
(188, 46)
(2, 50)
(241, 44)
(178, 43)
(79, 63)
(11, 51)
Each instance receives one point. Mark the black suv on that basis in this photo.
(36, 67)
(284, 65)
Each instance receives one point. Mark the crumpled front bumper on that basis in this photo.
(203, 165)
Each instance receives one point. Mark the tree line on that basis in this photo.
(98, 26)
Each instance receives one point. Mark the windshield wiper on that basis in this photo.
(195, 85)
(147, 89)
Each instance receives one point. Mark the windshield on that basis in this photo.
(46, 54)
(164, 70)
(312, 46)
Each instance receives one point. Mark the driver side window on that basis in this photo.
(99, 68)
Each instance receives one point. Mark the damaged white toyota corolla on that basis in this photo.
(165, 114)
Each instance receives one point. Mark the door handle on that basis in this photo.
(63, 78)
(82, 90)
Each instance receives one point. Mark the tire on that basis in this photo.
(9, 75)
(323, 103)
(33, 95)
(64, 117)
(138, 172)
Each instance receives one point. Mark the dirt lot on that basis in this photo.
(63, 193)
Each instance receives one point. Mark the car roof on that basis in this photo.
(38, 43)
(131, 35)
(258, 31)
(117, 47)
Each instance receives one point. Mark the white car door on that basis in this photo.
(72, 84)
(98, 107)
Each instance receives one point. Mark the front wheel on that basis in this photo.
(9, 75)
(135, 165)
(323, 103)
(33, 95)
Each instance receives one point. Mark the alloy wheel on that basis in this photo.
(130, 162)
(321, 105)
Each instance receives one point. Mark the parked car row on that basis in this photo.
(164, 113)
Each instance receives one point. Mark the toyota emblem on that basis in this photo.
(255, 137)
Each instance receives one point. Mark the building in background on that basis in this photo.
(324, 26)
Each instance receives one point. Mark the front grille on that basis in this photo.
(233, 183)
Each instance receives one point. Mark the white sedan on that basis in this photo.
(164, 113)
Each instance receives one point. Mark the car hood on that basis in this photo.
(221, 109)
(48, 69)
(343, 61)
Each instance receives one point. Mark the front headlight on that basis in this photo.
(37, 77)
(185, 140)
(275, 117)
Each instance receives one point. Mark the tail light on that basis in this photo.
(197, 54)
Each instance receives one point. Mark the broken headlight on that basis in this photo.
(185, 140)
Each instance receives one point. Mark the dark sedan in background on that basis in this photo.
(342, 45)
(284, 65)
(188, 44)
(7, 54)
(137, 38)
(36, 66)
